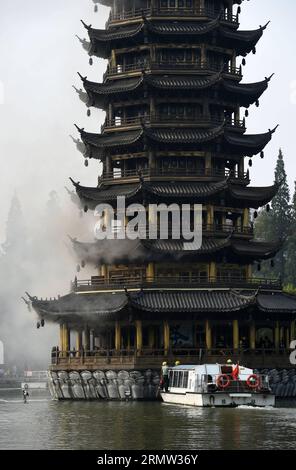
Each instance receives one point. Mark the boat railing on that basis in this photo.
(209, 383)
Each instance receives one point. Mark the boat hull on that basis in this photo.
(219, 399)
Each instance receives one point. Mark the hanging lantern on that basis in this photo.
(78, 268)
(262, 154)
(86, 162)
(38, 325)
(88, 112)
(268, 208)
(91, 61)
(42, 322)
(83, 264)
(244, 62)
(85, 209)
(247, 113)
(96, 9)
(239, 10)
(257, 103)
(255, 215)
(250, 163)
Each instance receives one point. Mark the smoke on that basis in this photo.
(36, 258)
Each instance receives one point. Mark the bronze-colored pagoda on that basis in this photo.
(174, 131)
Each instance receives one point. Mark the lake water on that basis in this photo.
(45, 424)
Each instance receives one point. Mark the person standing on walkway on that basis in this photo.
(165, 376)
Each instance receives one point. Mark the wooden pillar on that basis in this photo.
(277, 335)
(210, 216)
(66, 337)
(113, 59)
(249, 272)
(203, 55)
(233, 61)
(212, 271)
(117, 336)
(91, 340)
(208, 164)
(139, 336)
(103, 270)
(241, 167)
(150, 272)
(61, 337)
(78, 342)
(287, 339)
(108, 167)
(235, 334)
(152, 107)
(152, 161)
(86, 339)
(253, 336)
(208, 335)
(246, 218)
(166, 337)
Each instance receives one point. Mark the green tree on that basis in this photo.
(290, 275)
(276, 224)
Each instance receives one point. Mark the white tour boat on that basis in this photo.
(217, 385)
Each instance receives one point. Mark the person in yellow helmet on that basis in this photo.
(229, 361)
(177, 363)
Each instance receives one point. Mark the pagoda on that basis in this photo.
(175, 132)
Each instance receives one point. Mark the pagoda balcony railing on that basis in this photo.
(100, 357)
(217, 229)
(197, 120)
(139, 13)
(118, 174)
(175, 66)
(189, 281)
(224, 228)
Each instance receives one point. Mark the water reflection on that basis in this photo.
(44, 424)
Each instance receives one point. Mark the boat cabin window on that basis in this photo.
(179, 379)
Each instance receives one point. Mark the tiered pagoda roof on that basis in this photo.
(109, 305)
(235, 195)
(98, 145)
(246, 93)
(102, 41)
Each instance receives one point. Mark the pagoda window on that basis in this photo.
(212, 7)
(180, 111)
(126, 62)
(231, 273)
(182, 165)
(175, 4)
(215, 61)
(176, 56)
(190, 274)
(118, 274)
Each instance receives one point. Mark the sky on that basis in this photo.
(38, 106)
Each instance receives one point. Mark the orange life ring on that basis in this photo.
(223, 381)
(253, 381)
